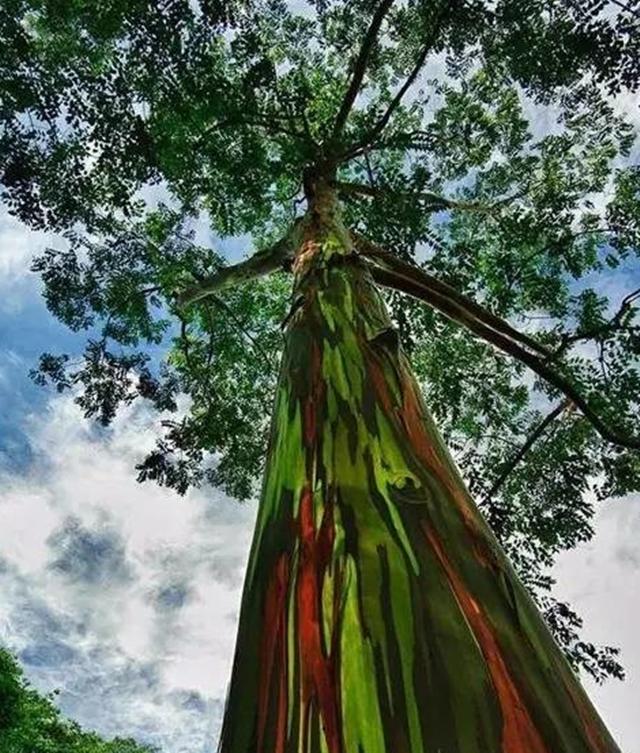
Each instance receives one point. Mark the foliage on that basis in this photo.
(223, 108)
(31, 723)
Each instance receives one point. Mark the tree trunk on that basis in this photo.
(379, 613)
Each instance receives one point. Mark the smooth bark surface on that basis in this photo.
(379, 613)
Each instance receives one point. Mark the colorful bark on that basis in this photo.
(379, 613)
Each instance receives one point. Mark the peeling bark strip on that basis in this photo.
(319, 685)
(379, 613)
(518, 731)
(274, 650)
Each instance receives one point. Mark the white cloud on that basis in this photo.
(18, 246)
(601, 579)
(132, 665)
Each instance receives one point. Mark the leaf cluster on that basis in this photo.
(223, 356)
(30, 722)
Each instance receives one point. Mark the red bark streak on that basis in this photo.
(309, 421)
(281, 720)
(304, 257)
(317, 670)
(519, 733)
(420, 440)
(380, 385)
(274, 645)
(409, 417)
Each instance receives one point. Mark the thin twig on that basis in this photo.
(633, 11)
(612, 325)
(531, 440)
(434, 201)
(397, 99)
(231, 314)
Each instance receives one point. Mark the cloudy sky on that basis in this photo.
(125, 597)
(121, 595)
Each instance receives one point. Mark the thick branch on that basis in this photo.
(395, 102)
(432, 285)
(535, 435)
(413, 281)
(360, 66)
(262, 263)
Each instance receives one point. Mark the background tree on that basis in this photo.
(31, 723)
(418, 118)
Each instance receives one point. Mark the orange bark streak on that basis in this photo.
(380, 385)
(304, 257)
(317, 670)
(419, 438)
(409, 416)
(519, 733)
(413, 421)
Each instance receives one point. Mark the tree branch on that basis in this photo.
(349, 189)
(272, 123)
(411, 280)
(623, 6)
(528, 444)
(413, 275)
(420, 61)
(627, 8)
(612, 325)
(413, 74)
(252, 340)
(262, 263)
(360, 66)
(412, 140)
(434, 201)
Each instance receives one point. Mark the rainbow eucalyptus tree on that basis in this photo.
(441, 193)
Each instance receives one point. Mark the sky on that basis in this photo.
(124, 596)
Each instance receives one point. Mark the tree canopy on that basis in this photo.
(30, 722)
(425, 118)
